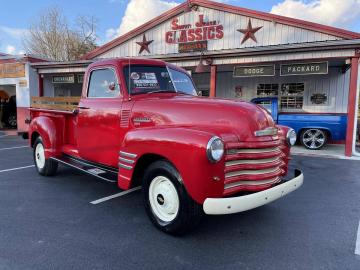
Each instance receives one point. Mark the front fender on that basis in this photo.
(51, 135)
(186, 150)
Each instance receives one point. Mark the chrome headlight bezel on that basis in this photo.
(215, 149)
(291, 137)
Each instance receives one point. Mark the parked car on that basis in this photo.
(9, 112)
(142, 124)
(314, 130)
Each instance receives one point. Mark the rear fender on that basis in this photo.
(186, 150)
(50, 132)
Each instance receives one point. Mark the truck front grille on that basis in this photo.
(253, 166)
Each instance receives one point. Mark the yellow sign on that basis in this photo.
(12, 70)
(22, 83)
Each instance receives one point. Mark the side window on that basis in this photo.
(103, 83)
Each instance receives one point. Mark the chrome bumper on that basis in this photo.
(221, 206)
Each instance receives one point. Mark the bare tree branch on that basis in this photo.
(51, 36)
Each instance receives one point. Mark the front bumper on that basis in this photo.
(221, 206)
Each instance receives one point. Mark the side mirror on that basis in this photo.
(112, 86)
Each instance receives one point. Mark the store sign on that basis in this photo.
(254, 71)
(318, 99)
(304, 69)
(23, 83)
(63, 79)
(12, 70)
(193, 47)
(197, 34)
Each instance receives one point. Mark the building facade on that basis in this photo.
(308, 68)
(18, 81)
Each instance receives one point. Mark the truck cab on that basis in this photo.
(140, 123)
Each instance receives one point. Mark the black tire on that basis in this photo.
(318, 141)
(189, 212)
(12, 121)
(49, 167)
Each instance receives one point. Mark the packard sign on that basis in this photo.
(195, 35)
(254, 71)
(304, 69)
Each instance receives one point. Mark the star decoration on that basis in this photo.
(249, 32)
(144, 45)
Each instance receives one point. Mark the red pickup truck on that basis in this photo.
(140, 122)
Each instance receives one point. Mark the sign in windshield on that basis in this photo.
(149, 79)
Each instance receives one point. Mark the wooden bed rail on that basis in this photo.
(55, 103)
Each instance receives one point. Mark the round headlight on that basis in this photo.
(291, 137)
(215, 149)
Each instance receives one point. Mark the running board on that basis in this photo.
(99, 172)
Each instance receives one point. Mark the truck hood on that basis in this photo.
(221, 117)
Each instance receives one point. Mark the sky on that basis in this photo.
(115, 17)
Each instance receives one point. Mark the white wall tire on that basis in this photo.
(46, 167)
(166, 200)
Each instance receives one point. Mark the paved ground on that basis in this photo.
(48, 223)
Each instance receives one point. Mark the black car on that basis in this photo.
(9, 112)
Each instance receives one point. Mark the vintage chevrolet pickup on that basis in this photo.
(140, 123)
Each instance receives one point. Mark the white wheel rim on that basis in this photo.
(164, 199)
(40, 156)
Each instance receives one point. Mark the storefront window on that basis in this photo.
(267, 90)
(292, 96)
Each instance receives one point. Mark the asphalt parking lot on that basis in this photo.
(49, 223)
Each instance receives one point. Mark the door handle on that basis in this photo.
(83, 108)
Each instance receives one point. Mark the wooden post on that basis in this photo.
(213, 81)
(41, 86)
(351, 114)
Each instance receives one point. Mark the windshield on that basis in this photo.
(153, 79)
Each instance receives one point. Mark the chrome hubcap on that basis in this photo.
(314, 138)
(164, 199)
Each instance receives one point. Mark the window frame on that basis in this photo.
(103, 68)
(186, 74)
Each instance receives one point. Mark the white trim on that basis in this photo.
(231, 205)
(115, 195)
(16, 147)
(18, 168)
(357, 244)
(356, 121)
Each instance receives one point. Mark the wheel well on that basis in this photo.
(141, 165)
(328, 133)
(34, 136)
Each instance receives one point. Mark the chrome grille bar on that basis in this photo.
(252, 150)
(251, 172)
(251, 161)
(253, 183)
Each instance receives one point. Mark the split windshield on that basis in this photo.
(154, 79)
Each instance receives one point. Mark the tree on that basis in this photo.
(51, 36)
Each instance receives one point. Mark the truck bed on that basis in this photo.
(55, 103)
(61, 110)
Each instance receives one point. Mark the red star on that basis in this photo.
(249, 32)
(144, 45)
